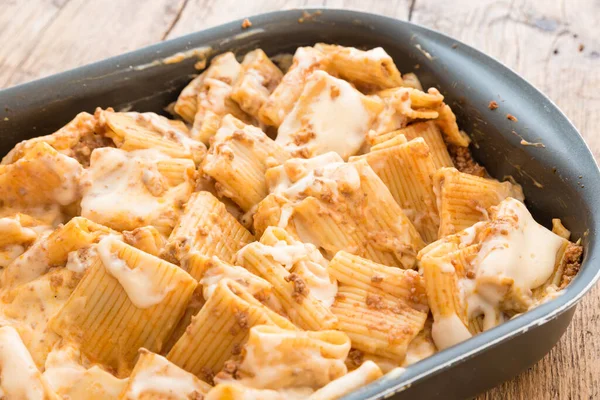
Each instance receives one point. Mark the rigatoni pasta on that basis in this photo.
(406, 169)
(463, 199)
(346, 206)
(381, 309)
(205, 230)
(279, 264)
(138, 131)
(220, 328)
(257, 80)
(224, 68)
(126, 300)
(299, 279)
(42, 176)
(474, 280)
(238, 158)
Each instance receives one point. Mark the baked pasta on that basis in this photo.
(284, 235)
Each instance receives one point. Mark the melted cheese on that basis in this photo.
(278, 359)
(79, 261)
(330, 116)
(448, 331)
(366, 373)
(305, 260)
(115, 173)
(70, 379)
(125, 190)
(162, 378)
(136, 282)
(516, 255)
(526, 253)
(69, 170)
(222, 270)
(30, 306)
(298, 178)
(19, 377)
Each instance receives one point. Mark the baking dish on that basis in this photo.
(559, 180)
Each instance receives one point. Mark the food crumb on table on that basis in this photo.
(246, 23)
(493, 105)
(511, 117)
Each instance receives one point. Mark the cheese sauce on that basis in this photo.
(136, 282)
(329, 116)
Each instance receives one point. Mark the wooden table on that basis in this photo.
(555, 44)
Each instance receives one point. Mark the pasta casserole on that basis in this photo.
(293, 231)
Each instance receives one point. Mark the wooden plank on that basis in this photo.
(541, 41)
(83, 31)
(22, 22)
(204, 14)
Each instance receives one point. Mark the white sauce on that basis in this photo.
(12, 227)
(526, 254)
(448, 331)
(136, 282)
(324, 173)
(276, 359)
(516, 256)
(19, 377)
(117, 193)
(31, 264)
(77, 263)
(162, 378)
(339, 122)
(305, 260)
(284, 218)
(222, 270)
(69, 171)
(71, 380)
(366, 373)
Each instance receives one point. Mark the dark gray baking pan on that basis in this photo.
(560, 180)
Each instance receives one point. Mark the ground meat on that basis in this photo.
(300, 289)
(195, 395)
(302, 152)
(208, 375)
(464, 162)
(231, 368)
(304, 136)
(228, 373)
(374, 301)
(571, 262)
(83, 149)
(241, 317)
(355, 358)
(236, 350)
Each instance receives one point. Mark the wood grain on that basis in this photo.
(541, 40)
